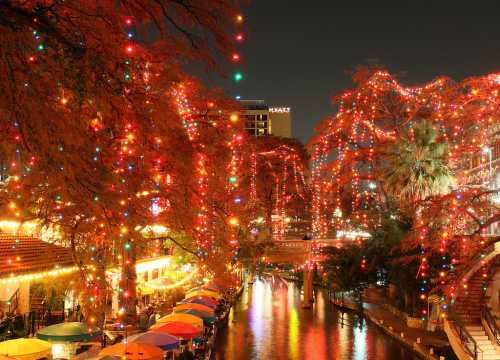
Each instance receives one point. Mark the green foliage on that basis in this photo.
(344, 272)
(415, 167)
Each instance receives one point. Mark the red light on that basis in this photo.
(240, 37)
(129, 49)
(31, 59)
(128, 21)
(235, 57)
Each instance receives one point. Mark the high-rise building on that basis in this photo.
(261, 119)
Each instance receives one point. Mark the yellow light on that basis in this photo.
(233, 221)
(147, 265)
(234, 118)
(64, 101)
(39, 275)
(123, 230)
(12, 205)
(239, 18)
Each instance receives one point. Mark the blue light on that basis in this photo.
(237, 97)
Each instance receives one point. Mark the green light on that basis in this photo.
(238, 77)
(233, 179)
(127, 246)
(41, 47)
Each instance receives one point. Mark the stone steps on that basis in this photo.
(488, 350)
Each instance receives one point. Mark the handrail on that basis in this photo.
(489, 319)
(13, 301)
(466, 339)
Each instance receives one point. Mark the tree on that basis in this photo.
(394, 144)
(277, 181)
(416, 167)
(90, 117)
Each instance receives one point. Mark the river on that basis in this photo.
(268, 323)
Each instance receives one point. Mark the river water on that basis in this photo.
(268, 323)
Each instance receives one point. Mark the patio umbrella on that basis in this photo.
(68, 331)
(3, 357)
(183, 318)
(214, 287)
(25, 349)
(208, 318)
(181, 330)
(163, 340)
(207, 293)
(134, 351)
(195, 306)
(201, 300)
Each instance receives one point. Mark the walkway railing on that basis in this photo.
(490, 321)
(468, 343)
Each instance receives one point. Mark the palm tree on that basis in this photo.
(415, 167)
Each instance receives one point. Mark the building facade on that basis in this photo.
(482, 169)
(262, 120)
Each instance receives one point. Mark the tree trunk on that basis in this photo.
(128, 297)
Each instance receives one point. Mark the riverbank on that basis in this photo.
(423, 343)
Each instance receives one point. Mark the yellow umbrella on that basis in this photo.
(3, 357)
(194, 306)
(207, 293)
(25, 349)
(182, 318)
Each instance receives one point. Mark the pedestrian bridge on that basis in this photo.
(298, 251)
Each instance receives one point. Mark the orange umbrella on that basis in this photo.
(181, 330)
(182, 318)
(194, 306)
(134, 351)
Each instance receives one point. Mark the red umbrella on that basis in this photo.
(181, 330)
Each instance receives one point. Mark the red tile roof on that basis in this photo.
(24, 254)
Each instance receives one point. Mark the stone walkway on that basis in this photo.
(421, 341)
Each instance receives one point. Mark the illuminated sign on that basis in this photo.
(281, 110)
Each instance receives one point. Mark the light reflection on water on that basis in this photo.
(269, 323)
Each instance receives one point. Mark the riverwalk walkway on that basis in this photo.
(423, 342)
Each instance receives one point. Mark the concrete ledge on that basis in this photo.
(418, 349)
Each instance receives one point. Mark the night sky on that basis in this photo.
(298, 53)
